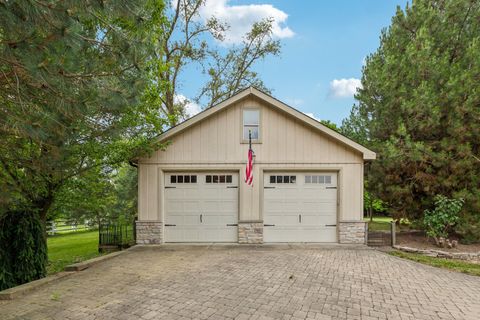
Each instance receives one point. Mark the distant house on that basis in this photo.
(307, 178)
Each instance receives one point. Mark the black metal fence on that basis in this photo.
(116, 236)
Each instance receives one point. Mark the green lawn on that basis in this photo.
(455, 265)
(70, 248)
(379, 223)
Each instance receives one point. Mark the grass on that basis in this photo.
(379, 223)
(450, 264)
(65, 249)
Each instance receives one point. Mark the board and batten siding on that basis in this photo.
(215, 143)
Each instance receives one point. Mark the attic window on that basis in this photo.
(251, 124)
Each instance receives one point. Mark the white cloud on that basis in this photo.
(240, 18)
(311, 115)
(191, 108)
(342, 88)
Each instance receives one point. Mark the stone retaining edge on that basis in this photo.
(467, 256)
(88, 263)
(15, 292)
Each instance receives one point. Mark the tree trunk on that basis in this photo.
(43, 206)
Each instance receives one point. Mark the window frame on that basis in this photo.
(176, 179)
(281, 179)
(259, 126)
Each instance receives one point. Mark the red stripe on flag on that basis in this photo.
(249, 169)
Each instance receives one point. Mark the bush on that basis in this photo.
(23, 249)
(469, 229)
(440, 221)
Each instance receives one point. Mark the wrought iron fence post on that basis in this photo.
(394, 233)
(135, 230)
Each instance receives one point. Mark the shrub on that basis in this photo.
(469, 228)
(440, 221)
(23, 250)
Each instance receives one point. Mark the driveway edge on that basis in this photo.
(88, 263)
(15, 292)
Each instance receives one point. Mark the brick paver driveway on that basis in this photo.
(266, 282)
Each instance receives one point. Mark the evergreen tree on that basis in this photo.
(72, 74)
(419, 108)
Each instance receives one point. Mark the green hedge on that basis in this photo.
(23, 249)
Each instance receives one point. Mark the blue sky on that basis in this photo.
(324, 44)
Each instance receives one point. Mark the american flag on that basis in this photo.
(249, 168)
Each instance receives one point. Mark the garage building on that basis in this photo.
(307, 178)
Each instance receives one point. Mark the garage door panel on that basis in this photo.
(282, 219)
(201, 211)
(217, 220)
(318, 207)
(318, 220)
(301, 211)
(210, 206)
(191, 206)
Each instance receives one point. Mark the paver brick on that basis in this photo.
(253, 282)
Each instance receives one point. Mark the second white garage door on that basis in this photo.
(300, 207)
(201, 207)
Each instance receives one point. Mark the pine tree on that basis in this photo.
(72, 78)
(420, 109)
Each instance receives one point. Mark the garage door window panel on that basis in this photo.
(218, 179)
(174, 179)
(318, 179)
(278, 179)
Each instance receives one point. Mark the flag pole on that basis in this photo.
(249, 139)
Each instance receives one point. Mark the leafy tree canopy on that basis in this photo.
(189, 39)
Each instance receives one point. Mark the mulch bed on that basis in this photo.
(419, 240)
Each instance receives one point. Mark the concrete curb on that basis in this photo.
(88, 263)
(15, 292)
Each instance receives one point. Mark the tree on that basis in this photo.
(419, 109)
(232, 72)
(98, 195)
(72, 76)
(89, 196)
(126, 186)
(187, 39)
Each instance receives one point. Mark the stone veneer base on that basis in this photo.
(250, 232)
(149, 232)
(352, 232)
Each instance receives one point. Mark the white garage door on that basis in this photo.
(300, 207)
(201, 207)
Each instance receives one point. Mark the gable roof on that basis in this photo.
(251, 91)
